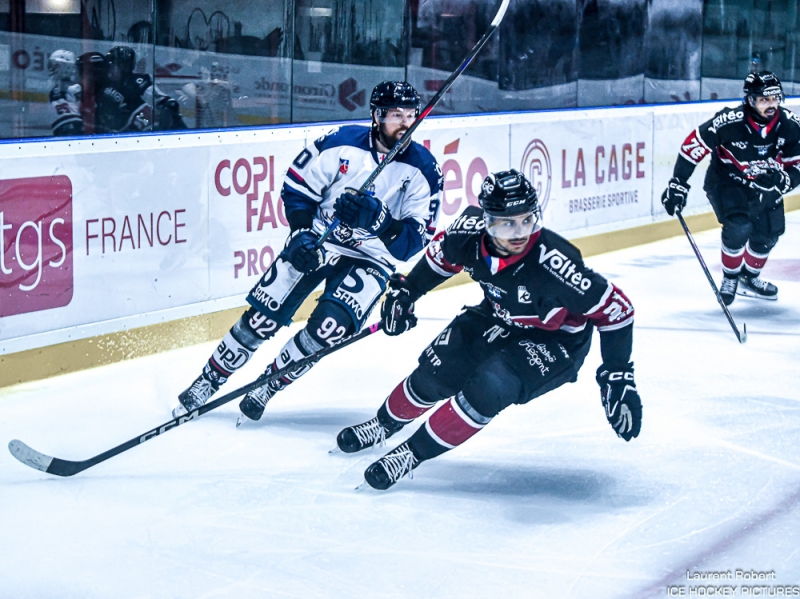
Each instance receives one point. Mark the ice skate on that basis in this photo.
(253, 404)
(196, 395)
(367, 434)
(392, 467)
(727, 290)
(757, 287)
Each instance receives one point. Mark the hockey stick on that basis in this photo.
(742, 337)
(406, 139)
(45, 463)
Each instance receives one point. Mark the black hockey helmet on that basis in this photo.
(123, 57)
(91, 66)
(763, 83)
(394, 94)
(507, 193)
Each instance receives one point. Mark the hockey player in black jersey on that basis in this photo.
(129, 102)
(528, 336)
(755, 161)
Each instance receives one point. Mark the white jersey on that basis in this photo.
(65, 108)
(410, 186)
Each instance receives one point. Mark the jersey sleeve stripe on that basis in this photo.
(301, 190)
(438, 269)
(616, 325)
(602, 301)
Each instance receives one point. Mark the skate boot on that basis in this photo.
(750, 286)
(253, 404)
(392, 467)
(196, 395)
(727, 290)
(367, 434)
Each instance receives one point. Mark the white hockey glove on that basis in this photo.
(621, 401)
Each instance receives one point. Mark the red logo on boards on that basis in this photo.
(35, 244)
(536, 166)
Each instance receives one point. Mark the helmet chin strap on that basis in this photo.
(493, 248)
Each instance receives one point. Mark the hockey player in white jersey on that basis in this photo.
(391, 222)
(65, 94)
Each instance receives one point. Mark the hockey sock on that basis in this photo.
(753, 261)
(239, 345)
(297, 348)
(450, 425)
(732, 260)
(404, 405)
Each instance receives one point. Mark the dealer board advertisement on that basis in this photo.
(104, 234)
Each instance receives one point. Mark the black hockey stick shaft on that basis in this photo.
(742, 337)
(59, 467)
(406, 139)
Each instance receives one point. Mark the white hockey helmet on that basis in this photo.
(61, 65)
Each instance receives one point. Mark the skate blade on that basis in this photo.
(179, 411)
(243, 421)
(335, 451)
(745, 293)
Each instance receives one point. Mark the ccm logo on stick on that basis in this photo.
(35, 244)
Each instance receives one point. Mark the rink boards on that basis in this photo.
(101, 236)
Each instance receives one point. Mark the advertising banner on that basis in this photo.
(104, 234)
(247, 223)
(588, 171)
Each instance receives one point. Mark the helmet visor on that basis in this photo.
(512, 227)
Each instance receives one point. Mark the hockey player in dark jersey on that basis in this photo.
(391, 223)
(755, 161)
(527, 337)
(129, 102)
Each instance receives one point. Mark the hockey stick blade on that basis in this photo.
(406, 139)
(28, 456)
(51, 465)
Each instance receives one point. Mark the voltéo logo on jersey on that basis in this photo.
(350, 96)
(35, 244)
(536, 166)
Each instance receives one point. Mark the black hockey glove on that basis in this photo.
(772, 184)
(397, 312)
(362, 211)
(674, 196)
(301, 251)
(621, 401)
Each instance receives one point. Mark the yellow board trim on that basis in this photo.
(53, 360)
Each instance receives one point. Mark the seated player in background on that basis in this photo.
(527, 337)
(127, 101)
(65, 94)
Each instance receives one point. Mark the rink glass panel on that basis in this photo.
(235, 63)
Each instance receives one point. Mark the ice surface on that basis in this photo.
(546, 502)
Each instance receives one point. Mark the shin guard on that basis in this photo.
(449, 426)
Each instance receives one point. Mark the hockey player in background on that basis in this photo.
(527, 337)
(65, 94)
(129, 102)
(379, 228)
(755, 153)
